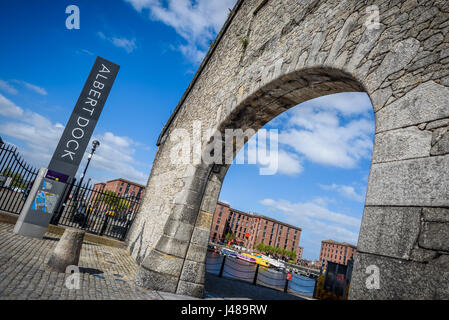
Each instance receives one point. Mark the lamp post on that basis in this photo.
(95, 144)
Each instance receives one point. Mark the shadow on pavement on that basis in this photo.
(222, 288)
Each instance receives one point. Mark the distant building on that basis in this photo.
(339, 252)
(251, 229)
(122, 187)
(301, 249)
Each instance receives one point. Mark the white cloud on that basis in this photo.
(129, 45)
(316, 130)
(346, 103)
(116, 154)
(8, 108)
(32, 87)
(197, 22)
(346, 191)
(317, 219)
(282, 161)
(5, 86)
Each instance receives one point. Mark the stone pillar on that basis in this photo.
(403, 247)
(67, 251)
(161, 268)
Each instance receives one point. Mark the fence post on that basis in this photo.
(222, 267)
(62, 203)
(105, 225)
(287, 279)
(255, 275)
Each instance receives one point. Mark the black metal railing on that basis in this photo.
(233, 268)
(91, 208)
(98, 211)
(16, 179)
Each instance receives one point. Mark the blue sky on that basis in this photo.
(325, 144)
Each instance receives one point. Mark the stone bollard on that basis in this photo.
(67, 251)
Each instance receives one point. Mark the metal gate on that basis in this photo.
(91, 208)
(16, 179)
(98, 211)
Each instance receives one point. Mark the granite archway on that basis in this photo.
(272, 55)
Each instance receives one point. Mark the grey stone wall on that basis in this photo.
(298, 50)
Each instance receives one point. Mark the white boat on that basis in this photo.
(229, 252)
(273, 262)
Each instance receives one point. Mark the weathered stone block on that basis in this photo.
(435, 236)
(184, 213)
(389, 231)
(155, 281)
(399, 279)
(193, 272)
(178, 229)
(380, 97)
(204, 220)
(163, 263)
(188, 197)
(172, 246)
(190, 289)
(436, 214)
(67, 251)
(416, 182)
(397, 58)
(437, 135)
(425, 103)
(196, 253)
(200, 236)
(437, 124)
(441, 146)
(401, 144)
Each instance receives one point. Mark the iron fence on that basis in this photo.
(232, 268)
(16, 179)
(92, 208)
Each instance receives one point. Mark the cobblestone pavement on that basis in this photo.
(106, 273)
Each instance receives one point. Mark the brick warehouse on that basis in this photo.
(251, 229)
(122, 187)
(339, 252)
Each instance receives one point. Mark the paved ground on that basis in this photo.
(106, 273)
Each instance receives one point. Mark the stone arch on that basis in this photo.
(316, 48)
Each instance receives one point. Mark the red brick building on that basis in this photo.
(251, 229)
(122, 187)
(339, 252)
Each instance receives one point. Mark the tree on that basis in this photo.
(17, 180)
(113, 202)
(230, 236)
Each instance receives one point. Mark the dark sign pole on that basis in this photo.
(50, 186)
(78, 131)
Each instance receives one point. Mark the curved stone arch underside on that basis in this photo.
(297, 51)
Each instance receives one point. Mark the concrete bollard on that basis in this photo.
(67, 251)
